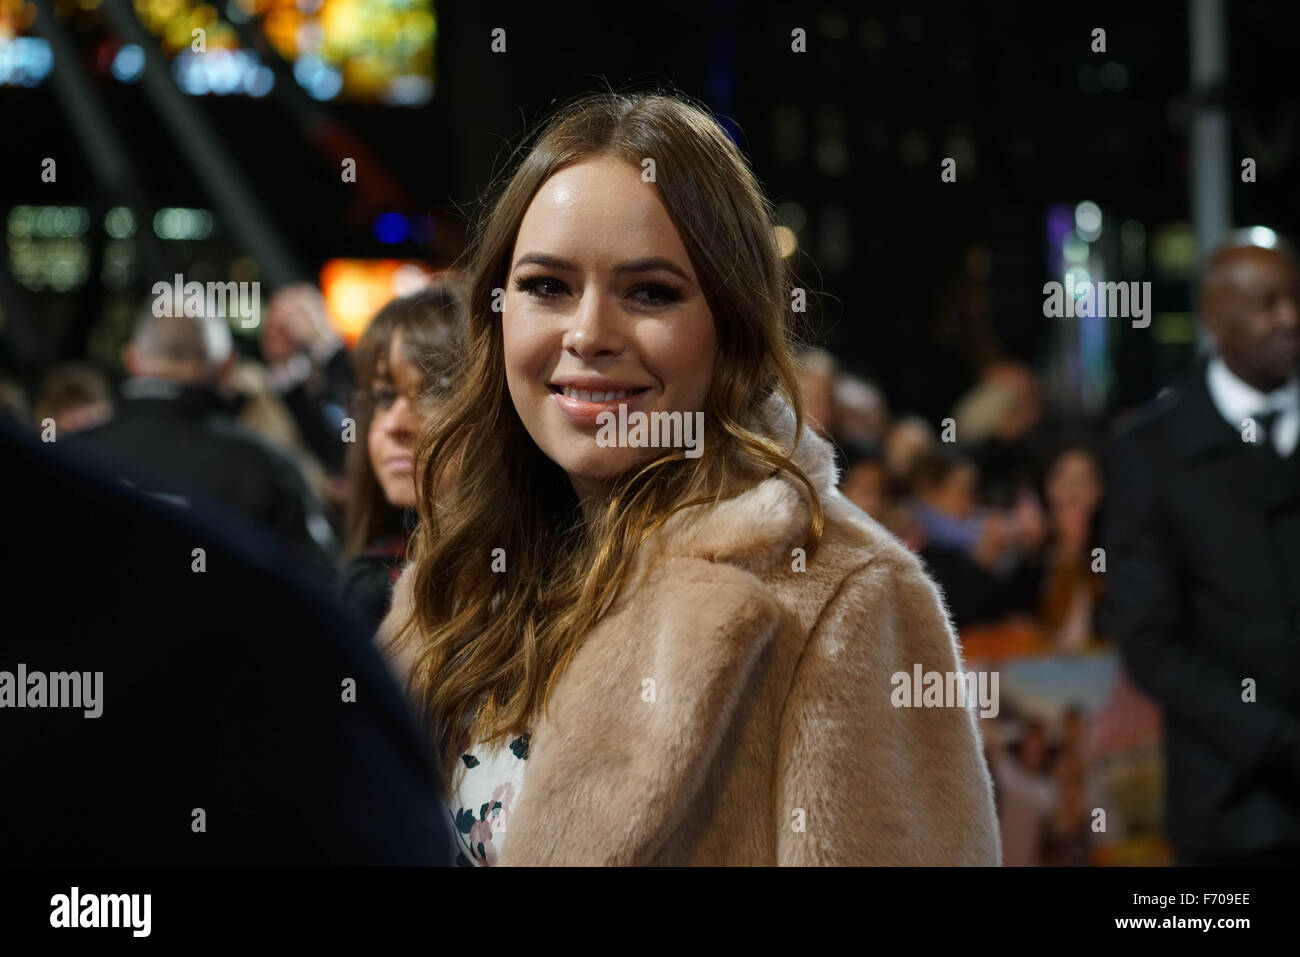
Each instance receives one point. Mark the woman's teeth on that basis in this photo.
(586, 396)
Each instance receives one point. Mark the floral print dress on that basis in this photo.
(489, 783)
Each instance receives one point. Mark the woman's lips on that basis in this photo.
(400, 464)
(584, 413)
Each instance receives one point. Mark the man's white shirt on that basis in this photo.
(1236, 400)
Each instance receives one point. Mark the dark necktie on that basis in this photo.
(1264, 423)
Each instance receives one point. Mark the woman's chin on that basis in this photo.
(400, 494)
(589, 465)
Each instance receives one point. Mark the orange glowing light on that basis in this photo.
(355, 289)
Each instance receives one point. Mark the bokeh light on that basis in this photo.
(355, 289)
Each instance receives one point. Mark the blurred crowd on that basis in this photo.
(999, 499)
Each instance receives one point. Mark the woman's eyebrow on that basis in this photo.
(636, 265)
(545, 259)
(651, 263)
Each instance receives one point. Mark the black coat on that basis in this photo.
(222, 690)
(1202, 535)
(366, 580)
(184, 441)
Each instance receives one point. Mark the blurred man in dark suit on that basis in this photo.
(175, 434)
(239, 715)
(1203, 542)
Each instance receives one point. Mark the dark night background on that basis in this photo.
(852, 131)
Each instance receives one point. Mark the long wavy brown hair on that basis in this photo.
(488, 647)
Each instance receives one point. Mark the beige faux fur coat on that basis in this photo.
(771, 737)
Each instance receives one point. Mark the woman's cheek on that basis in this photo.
(525, 356)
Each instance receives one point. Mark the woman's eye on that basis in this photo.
(543, 287)
(656, 294)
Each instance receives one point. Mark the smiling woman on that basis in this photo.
(695, 650)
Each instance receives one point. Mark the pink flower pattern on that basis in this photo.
(485, 795)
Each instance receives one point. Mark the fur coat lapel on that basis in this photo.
(759, 527)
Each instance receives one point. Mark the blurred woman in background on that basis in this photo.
(1072, 487)
(405, 363)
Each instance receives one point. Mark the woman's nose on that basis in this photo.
(595, 328)
(399, 418)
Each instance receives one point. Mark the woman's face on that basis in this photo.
(395, 425)
(602, 308)
(1074, 482)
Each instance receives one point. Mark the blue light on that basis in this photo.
(392, 228)
(259, 82)
(24, 61)
(409, 90)
(326, 85)
(129, 63)
(190, 74)
(225, 72)
(305, 68)
(321, 81)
